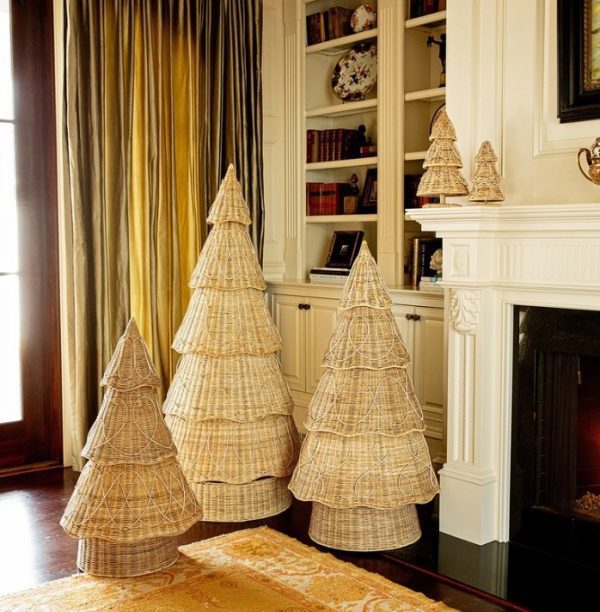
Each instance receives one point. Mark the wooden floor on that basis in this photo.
(35, 549)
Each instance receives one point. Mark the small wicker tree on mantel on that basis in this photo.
(442, 164)
(229, 408)
(486, 180)
(131, 500)
(364, 462)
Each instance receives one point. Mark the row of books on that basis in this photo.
(431, 283)
(422, 253)
(418, 8)
(329, 24)
(411, 199)
(329, 276)
(326, 198)
(335, 144)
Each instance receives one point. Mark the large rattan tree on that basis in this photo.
(131, 500)
(364, 462)
(229, 408)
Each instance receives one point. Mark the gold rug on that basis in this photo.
(251, 570)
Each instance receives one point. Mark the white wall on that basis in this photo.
(502, 87)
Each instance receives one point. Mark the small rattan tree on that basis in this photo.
(364, 462)
(229, 408)
(442, 163)
(131, 500)
(486, 180)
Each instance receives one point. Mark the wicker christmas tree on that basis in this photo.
(442, 163)
(131, 500)
(229, 407)
(486, 180)
(364, 462)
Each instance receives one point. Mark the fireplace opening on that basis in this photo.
(555, 462)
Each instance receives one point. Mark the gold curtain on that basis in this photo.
(161, 95)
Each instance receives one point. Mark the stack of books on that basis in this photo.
(329, 24)
(418, 8)
(423, 250)
(329, 276)
(326, 198)
(430, 283)
(332, 145)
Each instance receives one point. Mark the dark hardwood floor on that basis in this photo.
(35, 549)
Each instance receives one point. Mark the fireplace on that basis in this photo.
(498, 259)
(555, 458)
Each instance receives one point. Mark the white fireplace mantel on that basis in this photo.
(496, 257)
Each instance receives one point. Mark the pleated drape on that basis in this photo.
(160, 96)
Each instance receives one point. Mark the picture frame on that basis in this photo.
(578, 30)
(344, 248)
(368, 199)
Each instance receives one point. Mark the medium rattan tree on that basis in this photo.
(442, 163)
(486, 180)
(131, 500)
(229, 408)
(364, 462)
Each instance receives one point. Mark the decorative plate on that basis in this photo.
(363, 18)
(355, 74)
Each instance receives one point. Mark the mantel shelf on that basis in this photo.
(426, 95)
(341, 218)
(342, 163)
(345, 42)
(429, 22)
(339, 110)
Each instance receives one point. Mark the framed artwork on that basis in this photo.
(344, 248)
(368, 199)
(578, 60)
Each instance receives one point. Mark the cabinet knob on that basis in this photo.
(304, 306)
(409, 316)
(416, 317)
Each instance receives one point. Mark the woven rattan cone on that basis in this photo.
(130, 366)
(355, 402)
(116, 560)
(365, 285)
(221, 323)
(232, 452)
(228, 260)
(364, 529)
(365, 337)
(239, 388)
(443, 153)
(442, 127)
(130, 503)
(129, 429)
(439, 180)
(229, 205)
(246, 502)
(371, 470)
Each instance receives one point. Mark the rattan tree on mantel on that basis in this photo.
(486, 180)
(131, 500)
(229, 408)
(364, 462)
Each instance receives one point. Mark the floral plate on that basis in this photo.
(355, 74)
(363, 18)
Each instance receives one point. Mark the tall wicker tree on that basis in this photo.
(486, 180)
(229, 408)
(131, 500)
(442, 163)
(364, 462)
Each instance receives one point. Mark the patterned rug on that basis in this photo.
(251, 570)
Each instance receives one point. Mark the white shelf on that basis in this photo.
(345, 42)
(342, 163)
(427, 22)
(415, 155)
(426, 95)
(339, 110)
(341, 218)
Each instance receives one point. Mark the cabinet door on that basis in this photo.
(428, 364)
(320, 319)
(403, 316)
(291, 323)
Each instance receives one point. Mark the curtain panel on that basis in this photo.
(160, 96)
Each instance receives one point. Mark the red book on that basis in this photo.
(429, 6)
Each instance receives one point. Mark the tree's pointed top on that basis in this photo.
(365, 285)
(130, 366)
(229, 205)
(443, 128)
(486, 153)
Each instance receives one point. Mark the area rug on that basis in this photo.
(252, 570)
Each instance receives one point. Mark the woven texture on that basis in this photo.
(229, 407)
(227, 503)
(238, 388)
(486, 180)
(132, 491)
(102, 558)
(234, 452)
(365, 462)
(364, 529)
(254, 570)
(228, 260)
